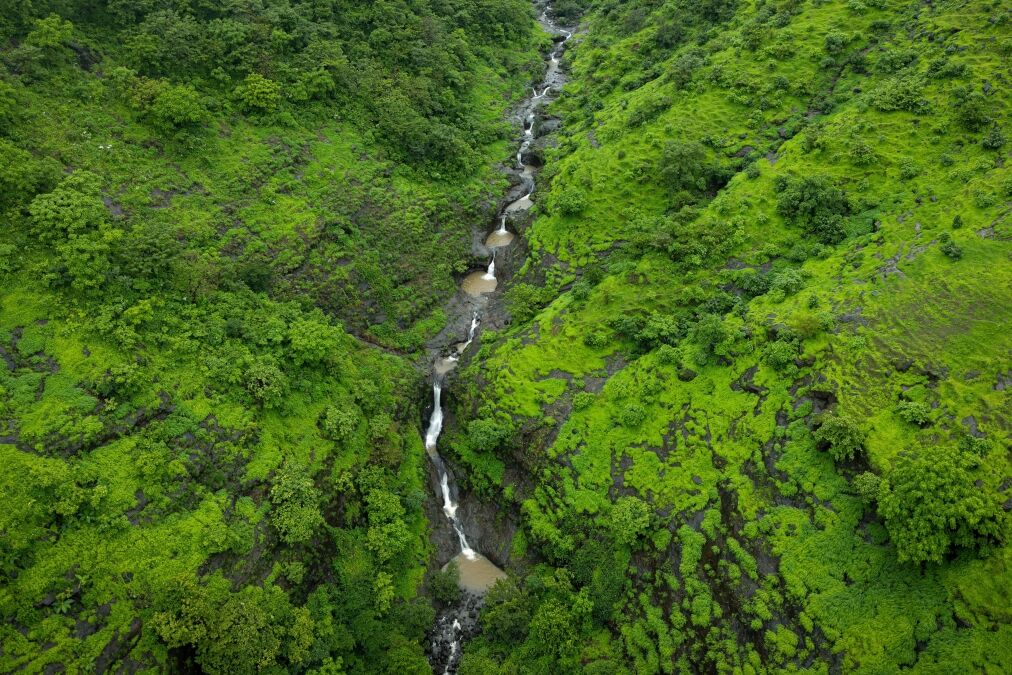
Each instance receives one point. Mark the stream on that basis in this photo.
(477, 572)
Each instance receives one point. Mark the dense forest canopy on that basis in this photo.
(746, 408)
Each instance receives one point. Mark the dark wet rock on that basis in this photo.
(687, 375)
(970, 422)
(903, 365)
(546, 126)
(454, 625)
(118, 647)
(83, 629)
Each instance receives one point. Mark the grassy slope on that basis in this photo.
(704, 446)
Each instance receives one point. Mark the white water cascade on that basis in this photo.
(431, 438)
(490, 274)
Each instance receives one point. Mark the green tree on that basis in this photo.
(814, 203)
(488, 435)
(629, 519)
(684, 166)
(170, 107)
(867, 486)
(249, 631)
(22, 176)
(73, 208)
(841, 436)
(295, 511)
(257, 93)
(51, 34)
(710, 335)
(445, 584)
(266, 382)
(914, 412)
(339, 423)
(930, 503)
(313, 342)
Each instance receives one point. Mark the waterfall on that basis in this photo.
(431, 438)
(477, 572)
(436, 419)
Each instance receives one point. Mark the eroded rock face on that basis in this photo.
(490, 528)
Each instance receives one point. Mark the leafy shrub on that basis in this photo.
(893, 59)
(785, 283)
(75, 207)
(445, 584)
(900, 93)
(339, 423)
(972, 109)
(266, 382)
(684, 67)
(583, 400)
(660, 329)
(914, 412)
(994, 140)
(569, 201)
(841, 436)
(312, 342)
(861, 154)
(780, 354)
(633, 415)
(629, 519)
(257, 93)
(836, 41)
(909, 169)
(488, 435)
(525, 300)
(684, 166)
(709, 334)
(22, 176)
(867, 485)
(950, 248)
(169, 106)
(649, 110)
(294, 505)
(930, 503)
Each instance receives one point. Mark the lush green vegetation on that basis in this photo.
(225, 227)
(751, 413)
(757, 378)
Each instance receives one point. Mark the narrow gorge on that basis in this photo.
(477, 572)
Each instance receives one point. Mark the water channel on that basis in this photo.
(477, 572)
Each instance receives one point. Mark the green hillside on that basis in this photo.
(747, 402)
(758, 380)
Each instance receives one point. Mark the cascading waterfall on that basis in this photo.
(477, 572)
